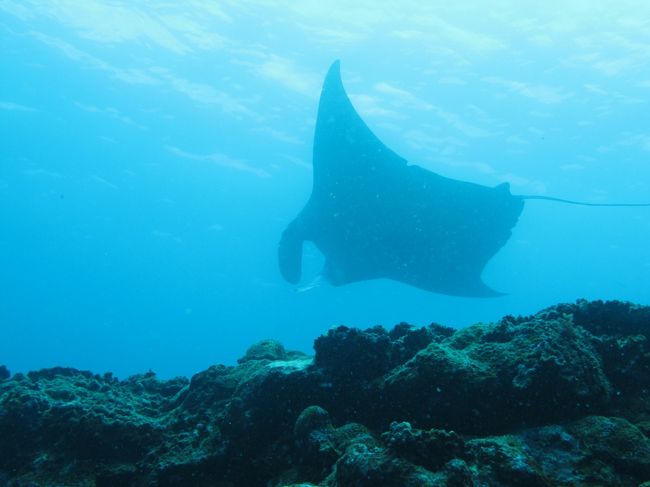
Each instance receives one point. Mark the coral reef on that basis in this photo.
(555, 399)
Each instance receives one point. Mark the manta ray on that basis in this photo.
(373, 215)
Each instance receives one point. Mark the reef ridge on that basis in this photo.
(559, 398)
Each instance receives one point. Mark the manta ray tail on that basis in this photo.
(581, 203)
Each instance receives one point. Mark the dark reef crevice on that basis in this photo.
(555, 399)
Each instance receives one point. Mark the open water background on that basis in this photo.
(152, 152)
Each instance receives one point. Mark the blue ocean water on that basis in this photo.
(152, 153)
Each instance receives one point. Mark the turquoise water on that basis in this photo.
(152, 153)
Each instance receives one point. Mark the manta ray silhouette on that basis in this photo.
(373, 215)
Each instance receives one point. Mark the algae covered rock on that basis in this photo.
(431, 449)
(614, 442)
(316, 439)
(264, 350)
(537, 370)
(560, 398)
(57, 415)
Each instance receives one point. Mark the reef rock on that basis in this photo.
(555, 399)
